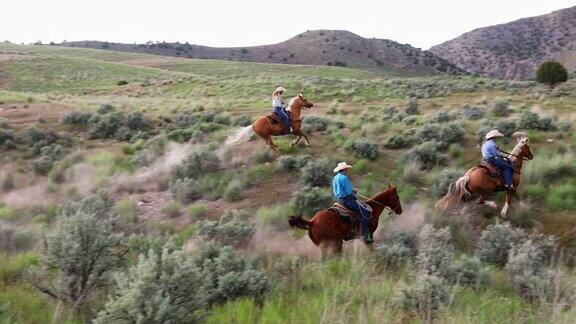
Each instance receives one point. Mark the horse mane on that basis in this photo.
(291, 102)
(381, 195)
(518, 148)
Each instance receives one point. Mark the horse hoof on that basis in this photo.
(491, 204)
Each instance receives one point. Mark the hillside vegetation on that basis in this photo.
(120, 203)
(317, 47)
(514, 50)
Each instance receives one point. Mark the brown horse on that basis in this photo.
(265, 129)
(326, 229)
(478, 181)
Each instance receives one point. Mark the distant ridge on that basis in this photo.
(514, 50)
(319, 47)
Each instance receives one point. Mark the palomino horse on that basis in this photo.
(265, 129)
(326, 229)
(478, 181)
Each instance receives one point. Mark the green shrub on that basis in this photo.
(196, 164)
(442, 117)
(233, 229)
(126, 209)
(172, 209)
(317, 173)
(496, 241)
(469, 271)
(185, 190)
(163, 287)
(400, 141)
(531, 120)
(275, 216)
(411, 106)
(78, 118)
(243, 121)
(308, 201)
(263, 156)
(80, 253)
(315, 124)
(562, 197)
(423, 296)
(435, 251)
(363, 148)
(234, 192)
(197, 211)
(443, 181)
(472, 112)
(361, 166)
(427, 155)
(500, 107)
(13, 267)
(294, 163)
(396, 250)
(528, 266)
(551, 73)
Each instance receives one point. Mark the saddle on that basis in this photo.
(275, 120)
(493, 171)
(349, 217)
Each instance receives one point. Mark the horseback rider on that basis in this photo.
(346, 195)
(492, 154)
(279, 107)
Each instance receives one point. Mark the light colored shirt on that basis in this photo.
(341, 186)
(490, 150)
(277, 101)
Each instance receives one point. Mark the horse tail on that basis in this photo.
(457, 191)
(241, 135)
(299, 222)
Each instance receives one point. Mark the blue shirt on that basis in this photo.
(490, 150)
(341, 186)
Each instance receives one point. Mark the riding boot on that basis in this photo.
(366, 232)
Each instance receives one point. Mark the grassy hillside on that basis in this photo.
(127, 149)
(317, 47)
(514, 50)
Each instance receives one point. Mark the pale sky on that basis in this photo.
(421, 23)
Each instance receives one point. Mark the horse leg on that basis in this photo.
(490, 203)
(294, 142)
(273, 146)
(506, 204)
(306, 140)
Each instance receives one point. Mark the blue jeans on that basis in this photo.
(351, 203)
(506, 167)
(283, 115)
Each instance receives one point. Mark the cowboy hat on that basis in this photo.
(342, 166)
(493, 133)
(280, 89)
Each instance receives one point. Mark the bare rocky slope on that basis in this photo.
(514, 50)
(319, 47)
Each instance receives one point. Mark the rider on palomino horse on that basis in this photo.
(280, 108)
(492, 154)
(345, 193)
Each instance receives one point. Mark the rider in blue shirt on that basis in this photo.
(345, 193)
(491, 154)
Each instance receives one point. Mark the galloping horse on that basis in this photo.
(326, 229)
(478, 181)
(265, 129)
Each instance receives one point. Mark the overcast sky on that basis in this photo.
(422, 23)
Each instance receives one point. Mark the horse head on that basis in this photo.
(299, 101)
(390, 199)
(524, 149)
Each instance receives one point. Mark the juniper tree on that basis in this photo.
(551, 73)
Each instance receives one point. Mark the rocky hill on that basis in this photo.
(319, 47)
(514, 50)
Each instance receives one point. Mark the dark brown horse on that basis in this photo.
(478, 181)
(326, 229)
(265, 129)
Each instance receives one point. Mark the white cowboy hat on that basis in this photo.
(493, 133)
(342, 166)
(280, 89)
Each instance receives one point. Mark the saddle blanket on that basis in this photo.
(275, 120)
(349, 217)
(493, 171)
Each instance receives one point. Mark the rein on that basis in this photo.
(377, 202)
(516, 156)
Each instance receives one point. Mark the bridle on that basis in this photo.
(516, 156)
